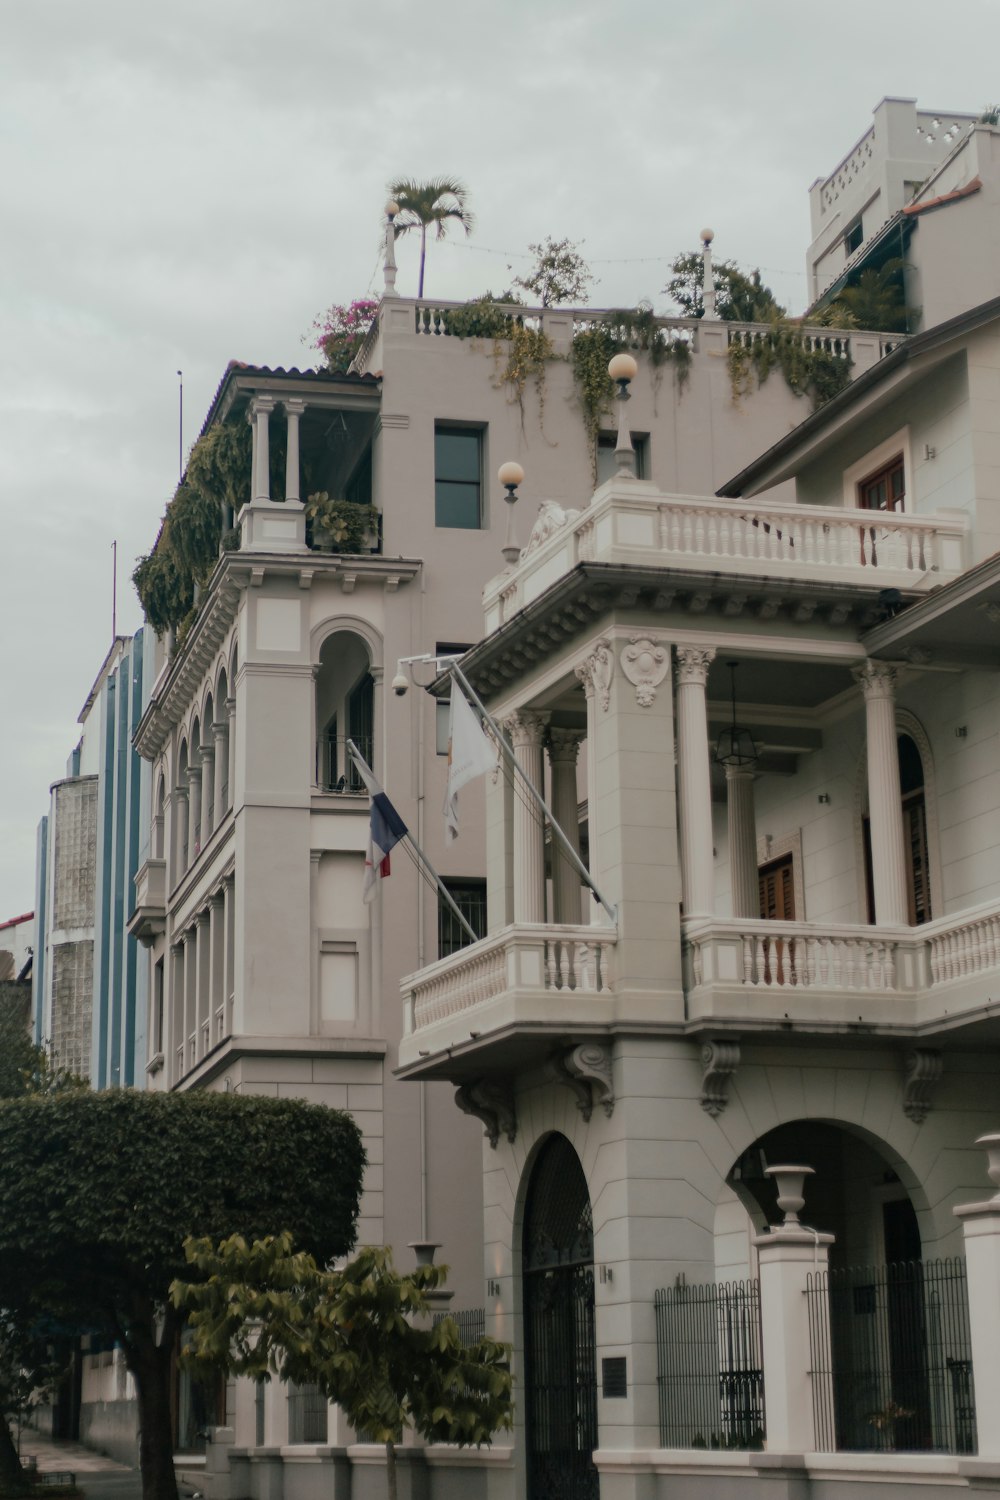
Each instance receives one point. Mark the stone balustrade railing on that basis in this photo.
(764, 955)
(435, 319)
(541, 958)
(624, 524)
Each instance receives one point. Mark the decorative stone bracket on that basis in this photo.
(719, 1060)
(493, 1103)
(922, 1073)
(596, 671)
(586, 1070)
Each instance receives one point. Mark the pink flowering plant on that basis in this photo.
(341, 330)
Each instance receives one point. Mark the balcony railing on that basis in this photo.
(808, 543)
(726, 959)
(531, 959)
(435, 320)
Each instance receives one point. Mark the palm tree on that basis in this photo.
(425, 203)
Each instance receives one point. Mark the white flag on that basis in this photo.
(470, 754)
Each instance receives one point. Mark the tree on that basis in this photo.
(261, 1310)
(100, 1190)
(424, 203)
(875, 299)
(22, 1064)
(341, 331)
(739, 297)
(560, 273)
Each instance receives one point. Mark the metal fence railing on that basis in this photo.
(891, 1360)
(471, 1323)
(709, 1367)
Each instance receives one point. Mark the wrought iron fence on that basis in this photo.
(307, 1414)
(471, 1323)
(709, 1368)
(891, 1358)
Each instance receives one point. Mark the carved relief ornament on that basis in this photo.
(693, 663)
(645, 663)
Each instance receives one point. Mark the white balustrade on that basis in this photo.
(905, 961)
(564, 958)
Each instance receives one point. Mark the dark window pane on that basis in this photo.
(456, 454)
(470, 898)
(456, 505)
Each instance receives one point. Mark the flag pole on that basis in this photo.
(557, 833)
(363, 765)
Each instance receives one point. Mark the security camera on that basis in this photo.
(400, 684)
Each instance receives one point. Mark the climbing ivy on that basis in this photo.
(814, 372)
(345, 523)
(630, 328)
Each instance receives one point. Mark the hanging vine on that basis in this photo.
(818, 373)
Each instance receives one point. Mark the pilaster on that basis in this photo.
(742, 842)
(564, 749)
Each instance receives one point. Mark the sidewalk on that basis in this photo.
(100, 1477)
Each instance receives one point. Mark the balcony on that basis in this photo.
(630, 522)
(757, 974)
(148, 920)
(500, 1003)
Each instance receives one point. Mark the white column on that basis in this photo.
(194, 813)
(262, 407)
(981, 1231)
(229, 960)
(220, 735)
(179, 828)
(742, 842)
(208, 819)
(203, 1026)
(695, 785)
(175, 1062)
(885, 803)
(190, 998)
(217, 968)
(526, 731)
(231, 738)
(294, 407)
(564, 748)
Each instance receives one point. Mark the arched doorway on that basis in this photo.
(560, 1382)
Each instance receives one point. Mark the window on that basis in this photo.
(458, 477)
(156, 1019)
(777, 890)
(607, 463)
(359, 487)
(470, 898)
(885, 489)
(361, 727)
(853, 238)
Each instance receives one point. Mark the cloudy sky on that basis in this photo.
(194, 181)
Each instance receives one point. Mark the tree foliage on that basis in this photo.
(362, 1334)
(875, 299)
(99, 1191)
(438, 202)
(341, 330)
(560, 273)
(740, 296)
(23, 1066)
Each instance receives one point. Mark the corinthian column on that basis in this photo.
(695, 786)
(262, 407)
(526, 731)
(294, 407)
(885, 803)
(564, 747)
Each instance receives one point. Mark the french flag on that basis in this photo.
(385, 829)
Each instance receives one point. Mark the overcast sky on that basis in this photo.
(194, 181)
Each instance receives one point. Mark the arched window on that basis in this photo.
(222, 742)
(345, 709)
(158, 819)
(181, 810)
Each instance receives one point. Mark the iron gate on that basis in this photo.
(559, 1355)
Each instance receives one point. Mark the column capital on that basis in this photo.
(693, 663)
(526, 727)
(740, 773)
(262, 405)
(207, 754)
(876, 679)
(230, 706)
(194, 774)
(202, 917)
(294, 405)
(564, 744)
(220, 730)
(180, 792)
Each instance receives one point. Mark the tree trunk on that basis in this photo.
(420, 293)
(150, 1364)
(12, 1477)
(390, 1470)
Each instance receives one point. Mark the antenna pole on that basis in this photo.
(114, 589)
